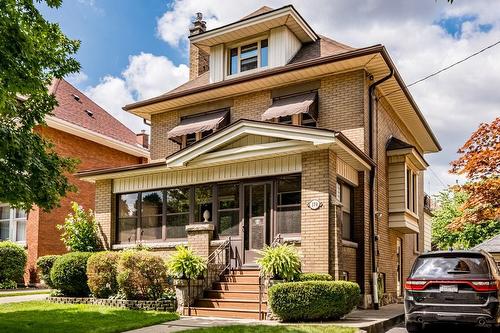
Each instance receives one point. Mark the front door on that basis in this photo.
(256, 224)
(399, 272)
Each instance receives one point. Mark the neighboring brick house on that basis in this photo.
(80, 129)
(279, 131)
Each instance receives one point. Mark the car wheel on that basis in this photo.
(414, 327)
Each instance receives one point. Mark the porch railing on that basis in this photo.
(218, 262)
(278, 239)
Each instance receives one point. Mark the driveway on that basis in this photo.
(439, 329)
(16, 299)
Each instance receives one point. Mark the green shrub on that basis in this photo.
(141, 275)
(12, 263)
(185, 264)
(44, 265)
(313, 300)
(280, 262)
(315, 277)
(102, 273)
(9, 284)
(80, 231)
(69, 274)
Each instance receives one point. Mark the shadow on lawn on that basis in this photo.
(45, 317)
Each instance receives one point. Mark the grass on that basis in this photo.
(275, 329)
(25, 293)
(45, 317)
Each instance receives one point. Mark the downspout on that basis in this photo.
(373, 172)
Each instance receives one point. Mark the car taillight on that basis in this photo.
(415, 285)
(484, 285)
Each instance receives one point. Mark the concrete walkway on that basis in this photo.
(371, 321)
(24, 298)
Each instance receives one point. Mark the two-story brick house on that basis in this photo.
(81, 129)
(279, 131)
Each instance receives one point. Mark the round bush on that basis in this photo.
(313, 300)
(141, 275)
(69, 274)
(315, 277)
(44, 265)
(101, 272)
(12, 263)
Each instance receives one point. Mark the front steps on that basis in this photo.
(236, 295)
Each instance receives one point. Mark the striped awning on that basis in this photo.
(287, 106)
(198, 123)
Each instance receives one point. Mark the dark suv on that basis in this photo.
(452, 287)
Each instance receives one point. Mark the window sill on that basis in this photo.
(292, 239)
(348, 243)
(158, 245)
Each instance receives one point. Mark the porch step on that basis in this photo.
(224, 313)
(223, 294)
(236, 286)
(244, 278)
(242, 304)
(245, 271)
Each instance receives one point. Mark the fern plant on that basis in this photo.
(185, 264)
(280, 262)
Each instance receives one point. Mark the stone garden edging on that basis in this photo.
(160, 305)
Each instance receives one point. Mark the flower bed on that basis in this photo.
(168, 305)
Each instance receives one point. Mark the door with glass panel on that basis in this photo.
(257, 214)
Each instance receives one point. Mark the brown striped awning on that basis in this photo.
(287, 106)
(198, 123)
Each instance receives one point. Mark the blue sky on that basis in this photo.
(136, 49)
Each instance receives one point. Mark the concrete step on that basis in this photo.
(224, 313)
(230, 304)
(235, 286)
(223, 294)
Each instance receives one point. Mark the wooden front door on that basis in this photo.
(399, 271)
(257, 201)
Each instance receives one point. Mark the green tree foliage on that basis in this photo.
(470, 235)
(32, 53)
(80, 231)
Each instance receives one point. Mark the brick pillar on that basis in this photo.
(104, 211)
(199, 236)
(318, 179)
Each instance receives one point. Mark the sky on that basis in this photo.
(136, 49)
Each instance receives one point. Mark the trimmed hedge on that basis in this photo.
(315, 277)
(69, 274)
(102, 273)
(44, 265)
(12, 263)
(313, 300)
(141, 275)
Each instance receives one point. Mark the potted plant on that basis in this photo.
(184, 265)
(281, 262)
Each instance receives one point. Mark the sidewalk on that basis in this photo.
(371, 321)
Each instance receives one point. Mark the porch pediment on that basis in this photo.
(248, 139)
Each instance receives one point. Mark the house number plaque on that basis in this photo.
(315, 204)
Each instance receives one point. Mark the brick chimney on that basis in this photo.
(198, 59)
(143, 139)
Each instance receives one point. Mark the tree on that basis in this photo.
(32, 53)
(80, 230)
(479, 161)
(469, 235)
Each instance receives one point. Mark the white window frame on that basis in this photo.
(13, 224)
(238, 45)
(411, 190)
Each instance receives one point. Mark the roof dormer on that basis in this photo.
(264, 39)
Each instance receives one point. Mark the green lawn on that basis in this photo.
(24, 293)
(275, 329)
(45, 317)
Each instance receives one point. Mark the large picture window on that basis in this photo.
(128, 207)
(228, 209)
(288, 205)
(12, 224)
(177, 212)
(152, 215)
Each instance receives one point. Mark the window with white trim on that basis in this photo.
(12, 224)
(411, 185)
(247, 57)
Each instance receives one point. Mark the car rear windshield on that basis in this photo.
(450, 267)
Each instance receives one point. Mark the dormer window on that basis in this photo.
(248, 56)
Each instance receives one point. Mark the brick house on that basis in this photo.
(81, 129)
(278, 132)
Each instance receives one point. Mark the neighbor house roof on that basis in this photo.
(492, 245)
(75, 107)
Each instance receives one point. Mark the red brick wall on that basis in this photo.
(42, 236)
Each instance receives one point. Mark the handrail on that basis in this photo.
(278, 239)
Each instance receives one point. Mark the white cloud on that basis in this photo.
(77, 78)
(454, 102)
(146, 76)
